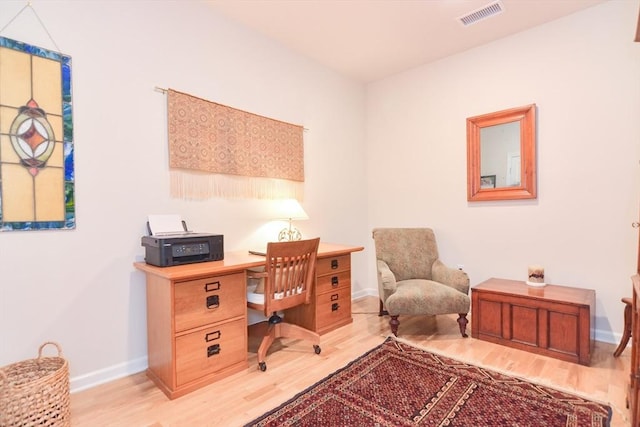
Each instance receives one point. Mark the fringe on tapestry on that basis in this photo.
(193, 185)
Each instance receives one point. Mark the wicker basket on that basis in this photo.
(35, 392)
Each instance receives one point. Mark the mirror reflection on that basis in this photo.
(500, 155)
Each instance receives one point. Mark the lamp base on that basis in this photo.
(289, 234)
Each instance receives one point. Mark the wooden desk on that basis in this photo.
(553, 320)
(197, 314)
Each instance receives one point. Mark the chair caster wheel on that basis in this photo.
(317, 349)
(262, 366)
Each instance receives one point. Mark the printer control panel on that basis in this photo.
(188, 249)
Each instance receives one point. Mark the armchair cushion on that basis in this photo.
(419, 296)
(254, 295)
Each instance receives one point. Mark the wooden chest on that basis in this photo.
(555, 321)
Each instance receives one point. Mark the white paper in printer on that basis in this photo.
(166, 225)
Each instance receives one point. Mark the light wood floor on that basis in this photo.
(292, 366)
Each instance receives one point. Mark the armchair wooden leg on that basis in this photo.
(462, 322)
(394, 323)
(382, 311)
(627, 327)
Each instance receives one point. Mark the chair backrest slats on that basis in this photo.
(290, 269)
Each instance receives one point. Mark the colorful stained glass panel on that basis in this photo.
(37, 181)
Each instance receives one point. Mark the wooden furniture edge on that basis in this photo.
(196, 384)
(234, 261)
(532, 290)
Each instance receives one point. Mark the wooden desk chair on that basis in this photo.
(288, 282)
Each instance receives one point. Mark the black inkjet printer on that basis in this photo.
(185, 247)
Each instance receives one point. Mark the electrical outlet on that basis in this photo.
(460, 266)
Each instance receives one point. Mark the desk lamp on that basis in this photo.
(290, 209)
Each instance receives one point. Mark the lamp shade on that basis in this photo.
(290, 209)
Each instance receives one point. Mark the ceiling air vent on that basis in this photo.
(492, 9)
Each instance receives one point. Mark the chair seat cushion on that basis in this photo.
(419, 297)
(253, 296)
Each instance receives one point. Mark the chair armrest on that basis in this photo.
(256, 274)
(386, 280)
(452, 277)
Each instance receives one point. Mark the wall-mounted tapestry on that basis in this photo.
(36, 139)
(220, 151)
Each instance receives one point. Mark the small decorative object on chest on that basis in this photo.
(535, 276)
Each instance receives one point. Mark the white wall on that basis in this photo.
(79, 287)
(583, 72)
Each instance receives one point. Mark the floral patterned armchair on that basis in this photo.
(413, 281)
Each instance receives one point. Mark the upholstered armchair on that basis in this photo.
(413, 281)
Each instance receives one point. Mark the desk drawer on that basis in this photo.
(332, 282)
(333, 307)
(332, 265)
(210, 350)
(209, 300)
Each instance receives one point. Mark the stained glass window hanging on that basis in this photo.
(36, 139)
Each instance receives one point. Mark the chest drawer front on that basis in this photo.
(332, 282)
(332, 265)
(332, 307)
(212, 299)
(210, 350)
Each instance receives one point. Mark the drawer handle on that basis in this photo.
(334, 264)
(335, 306)
(334, 281)
(213, 301)
(212, 350)
(213, 286)
(211, 336)
(334, 297)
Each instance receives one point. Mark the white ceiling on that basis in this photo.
(372, 39)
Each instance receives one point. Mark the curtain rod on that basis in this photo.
(163, 90)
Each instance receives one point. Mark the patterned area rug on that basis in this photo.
(396, 384)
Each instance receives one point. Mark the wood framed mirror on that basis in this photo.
(501, 155)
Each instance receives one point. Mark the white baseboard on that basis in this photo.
(364, 293)
(92, 379)
(608, 336)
